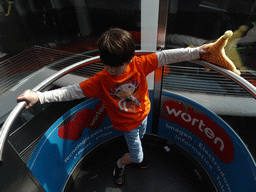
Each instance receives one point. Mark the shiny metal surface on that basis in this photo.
(162, 23)
(161, 34)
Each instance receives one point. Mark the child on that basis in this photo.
(122, 86)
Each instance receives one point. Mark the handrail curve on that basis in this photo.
(229, 74)
(4, 132)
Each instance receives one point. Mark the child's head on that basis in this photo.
(116, 47)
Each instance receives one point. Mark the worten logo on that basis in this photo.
(203, 127)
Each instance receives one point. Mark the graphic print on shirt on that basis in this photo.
(125, 92)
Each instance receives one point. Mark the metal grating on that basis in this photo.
(27, 62)
(16, 68)
(85, 71)
(193, 78)
(28, 151)
(184, 76)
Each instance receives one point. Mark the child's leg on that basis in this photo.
(133, 139)
(135, 155)
(125, 160)
(143, 127)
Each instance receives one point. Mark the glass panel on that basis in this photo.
(72, 26)
(30, 27)
(193, 23)
(54, 23)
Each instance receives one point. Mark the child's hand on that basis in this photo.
(30, 97)
(202, 50)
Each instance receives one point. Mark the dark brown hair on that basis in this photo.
(116, 47)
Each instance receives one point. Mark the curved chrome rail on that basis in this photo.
(4, 132)
(236, 78)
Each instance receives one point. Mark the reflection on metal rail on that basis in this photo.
(4, 132)
(229, 74)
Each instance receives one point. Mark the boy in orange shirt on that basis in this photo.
(122, 87)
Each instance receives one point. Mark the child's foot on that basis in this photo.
(118, 175)
(143, 165)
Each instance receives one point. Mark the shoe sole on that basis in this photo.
(144, 167)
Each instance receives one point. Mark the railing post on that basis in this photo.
(161, 34)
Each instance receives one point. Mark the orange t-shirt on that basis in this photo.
(126, 96)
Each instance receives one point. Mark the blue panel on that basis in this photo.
(199, 131)
(67, 140)
(210, 140)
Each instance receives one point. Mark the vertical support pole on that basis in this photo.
(153, 31)
(161, 35)
(162, 23)
(83, 18)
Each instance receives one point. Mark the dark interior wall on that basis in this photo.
(56, 22)
(211, 21)
(36, 22)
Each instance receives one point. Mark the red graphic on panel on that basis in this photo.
(203, 127)
(87, 118)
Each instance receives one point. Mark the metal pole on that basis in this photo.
(161, 34)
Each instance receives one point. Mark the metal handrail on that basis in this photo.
(4, 132)
(229, 74)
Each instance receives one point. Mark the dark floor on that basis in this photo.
(169, 170)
